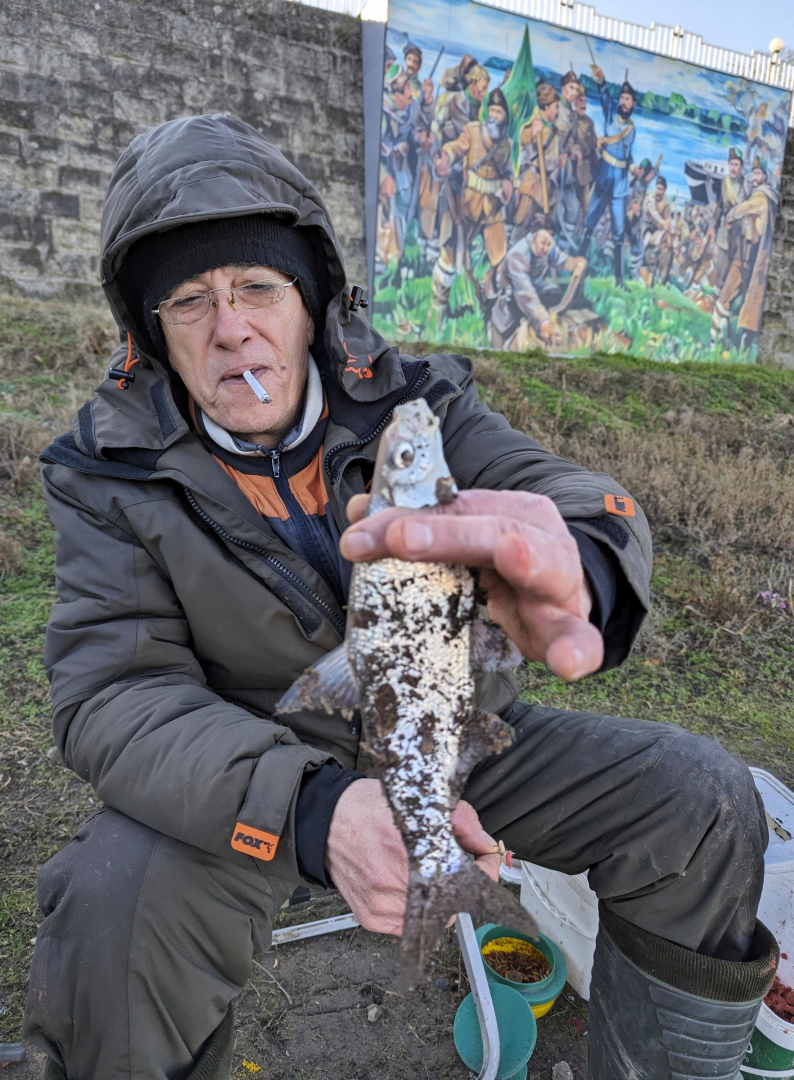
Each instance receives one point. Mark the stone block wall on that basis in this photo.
(776, 346)
(79, 79)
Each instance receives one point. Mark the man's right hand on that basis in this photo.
(367, 861)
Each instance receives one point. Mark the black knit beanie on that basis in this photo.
(157, 263)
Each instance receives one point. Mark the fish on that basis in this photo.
(414, 641)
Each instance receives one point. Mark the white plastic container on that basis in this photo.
(566, 908)
(776, 911)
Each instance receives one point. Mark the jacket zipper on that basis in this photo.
(325, 609)
(298, 515)
(423, 377)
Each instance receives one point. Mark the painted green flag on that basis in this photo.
(519, 91)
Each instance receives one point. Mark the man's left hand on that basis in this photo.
(530, 566)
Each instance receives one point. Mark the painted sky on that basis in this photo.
(498, 33)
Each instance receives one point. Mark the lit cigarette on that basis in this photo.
(257, 388)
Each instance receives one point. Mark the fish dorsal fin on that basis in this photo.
(328, 685)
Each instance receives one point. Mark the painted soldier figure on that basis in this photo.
(539, 165)
(455, 108)
(570, 205)
(748, 270)
(612, 182)
(484, 149)
(395, 178)
(530, 293)
(734, 188)
(657, 233)
(584, 153)
(642, 177)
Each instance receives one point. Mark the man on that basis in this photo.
(483, 149)
(657, 233)
(539, 165)
(531, 295)
(733, 190)
(750, 267)
(203, 547)
(612, 181)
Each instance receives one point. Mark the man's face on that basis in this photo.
(479, 88)
(581, 104)
(625, 105)
(734, 168)
(551, 112)
(759, 177)
(570, 92)
(542, 242)
(497, 114)
(273, 343)
(413, 61)
(660, 190)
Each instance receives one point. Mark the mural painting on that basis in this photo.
(539, 188)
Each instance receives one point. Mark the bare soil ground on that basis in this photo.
(708, 450)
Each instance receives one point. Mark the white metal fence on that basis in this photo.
(665, 40)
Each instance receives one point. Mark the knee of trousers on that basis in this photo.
(707, 816)
(99, 873)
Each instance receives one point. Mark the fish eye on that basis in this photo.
(402, 455)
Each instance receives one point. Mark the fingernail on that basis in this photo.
(417, 537)
(357, 545)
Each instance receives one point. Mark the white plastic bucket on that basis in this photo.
(566, 908)
(771, 1052)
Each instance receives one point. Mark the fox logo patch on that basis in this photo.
(262, 845)
(620, 505)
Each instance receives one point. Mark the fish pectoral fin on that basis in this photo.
(491, 649)
(328, 685)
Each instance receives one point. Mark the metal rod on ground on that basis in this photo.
(314, 929)
(481, 991)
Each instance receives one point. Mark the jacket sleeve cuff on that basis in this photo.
(318, 794)
(616, 612)
(601, 574)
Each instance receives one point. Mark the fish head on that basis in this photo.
(411, 470)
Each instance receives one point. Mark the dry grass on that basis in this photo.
(725, 480)
(51, 357)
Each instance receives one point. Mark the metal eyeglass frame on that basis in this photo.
(214, 303)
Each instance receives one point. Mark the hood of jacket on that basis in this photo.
(199, 168)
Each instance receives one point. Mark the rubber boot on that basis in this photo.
(659, 1011)
(214, 1063)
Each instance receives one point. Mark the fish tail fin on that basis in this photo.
(433, 901)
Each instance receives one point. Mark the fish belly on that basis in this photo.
(409, 645)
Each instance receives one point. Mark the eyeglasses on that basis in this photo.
(194, 306)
